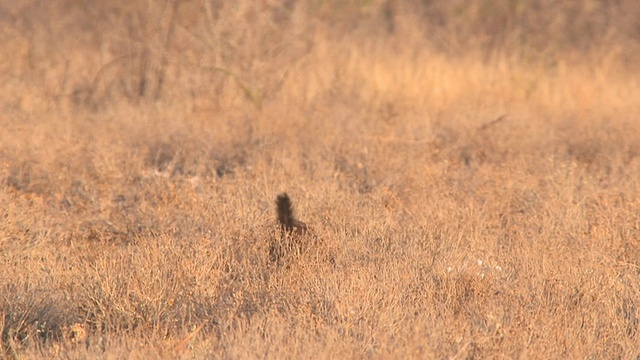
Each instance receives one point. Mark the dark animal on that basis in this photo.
(286, 220)
(292, 236)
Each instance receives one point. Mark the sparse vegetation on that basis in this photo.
(470, 168)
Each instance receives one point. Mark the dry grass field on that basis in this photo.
(470, 172)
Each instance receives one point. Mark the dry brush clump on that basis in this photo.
(477, 203)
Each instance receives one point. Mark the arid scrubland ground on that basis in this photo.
(471, 171)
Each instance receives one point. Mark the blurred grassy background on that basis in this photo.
(471, 168)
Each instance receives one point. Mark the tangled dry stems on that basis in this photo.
(139, 160)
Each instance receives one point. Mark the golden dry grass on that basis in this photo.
(471, 172)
